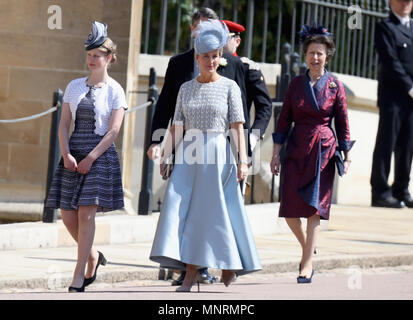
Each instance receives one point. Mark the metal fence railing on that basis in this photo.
(355, 53)
(269, 24)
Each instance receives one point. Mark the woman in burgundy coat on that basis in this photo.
(312, 101)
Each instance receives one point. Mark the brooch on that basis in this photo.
(332, 85)
(223, 62)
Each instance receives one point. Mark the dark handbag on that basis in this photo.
(167, 167)
(338, 159)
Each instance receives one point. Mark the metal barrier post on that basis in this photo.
(295, 65)
(250, 23)
(145, 206)
(49, 214)
(303, 68)
(285, 81)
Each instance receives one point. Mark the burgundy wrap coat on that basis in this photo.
(308, 167)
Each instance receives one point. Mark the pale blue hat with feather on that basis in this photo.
(210, 35)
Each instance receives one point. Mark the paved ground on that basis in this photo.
(350, 284)
(352, 253)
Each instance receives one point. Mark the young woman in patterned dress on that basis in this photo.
(88, 178)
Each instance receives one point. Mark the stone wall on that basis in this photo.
(35, 61)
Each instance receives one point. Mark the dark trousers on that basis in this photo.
(395, 133)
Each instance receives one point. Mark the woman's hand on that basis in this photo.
(154, 151)
(347, 161)
(346, 165)
(70, 162)
(85, 165)
(275, 164)
(242, 171)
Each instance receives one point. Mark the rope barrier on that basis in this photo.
(142, 106)
(53, 109)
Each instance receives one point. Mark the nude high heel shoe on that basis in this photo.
(197, 280)
(228, 277)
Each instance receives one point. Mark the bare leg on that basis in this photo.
(313, 230)
(86, 234)
(296, 228)
(191, 271)
(70, 220)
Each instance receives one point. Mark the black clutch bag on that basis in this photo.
(167, 167)
(338, 159)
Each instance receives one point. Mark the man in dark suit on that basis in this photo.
(394, 44)
(255, 85)
(182, 68)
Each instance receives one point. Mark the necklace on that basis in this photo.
(100, 84)
(315, 79)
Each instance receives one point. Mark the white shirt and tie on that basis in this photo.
(405, 21)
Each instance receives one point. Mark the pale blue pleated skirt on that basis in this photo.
(203, 219)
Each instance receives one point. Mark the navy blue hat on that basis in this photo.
(97, 37)
(315, 29)
(210, 35)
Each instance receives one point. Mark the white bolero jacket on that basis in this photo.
(110, 97)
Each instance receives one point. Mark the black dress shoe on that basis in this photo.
(389, 202)
(101, 261)
(180, 280)
(74, 289)
(407, 199)
(302, 279)
(206, 277)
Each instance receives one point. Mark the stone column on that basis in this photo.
(132, 85)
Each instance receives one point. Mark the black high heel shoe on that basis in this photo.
(101, 261)
(302, 279)
(180, 280)
(74, 289)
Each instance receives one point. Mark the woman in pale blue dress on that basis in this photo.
(203, 222)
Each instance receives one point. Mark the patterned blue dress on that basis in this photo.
(203, 219)
(102, 186)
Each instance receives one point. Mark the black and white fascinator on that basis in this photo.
(97, 36)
